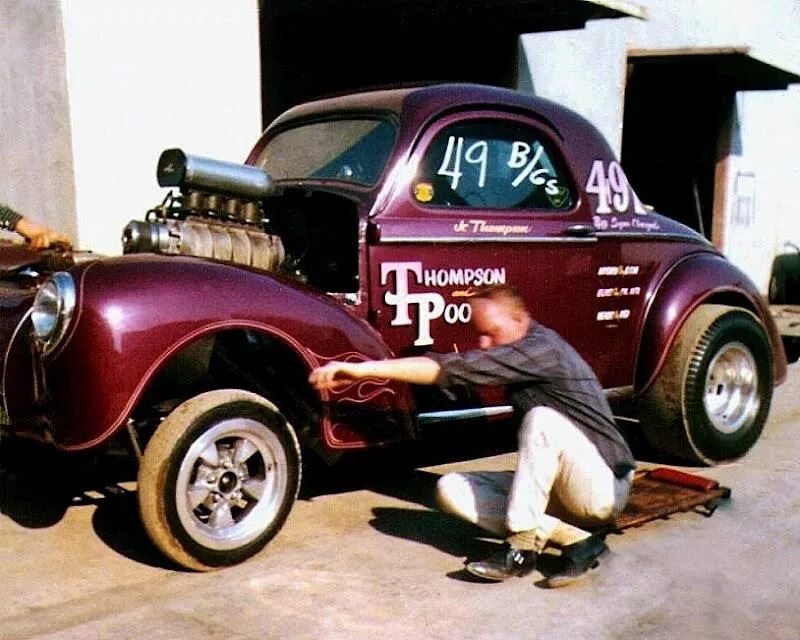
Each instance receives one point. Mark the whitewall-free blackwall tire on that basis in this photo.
(218, 479)
(712, 397)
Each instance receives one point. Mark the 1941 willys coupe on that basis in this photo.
(356, 229)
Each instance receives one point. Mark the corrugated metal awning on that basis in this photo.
(731, 67)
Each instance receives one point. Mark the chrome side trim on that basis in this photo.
(451, 239)
(644, 235)
(434, 417)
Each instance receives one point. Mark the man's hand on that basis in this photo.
(40, 236)
(333, 375)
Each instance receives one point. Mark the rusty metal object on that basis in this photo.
(654, 497)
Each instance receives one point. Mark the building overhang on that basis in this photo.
(531, 16)
(731, 67)
(497, 16)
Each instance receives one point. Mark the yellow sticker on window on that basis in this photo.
(423, 191)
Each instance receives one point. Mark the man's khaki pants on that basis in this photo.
(561, 486)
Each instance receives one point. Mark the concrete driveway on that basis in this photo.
(365, 555)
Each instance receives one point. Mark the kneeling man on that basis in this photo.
(574, 469)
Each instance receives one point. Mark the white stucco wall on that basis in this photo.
(36, 175)
(146, 75)
(761, 181)
(585, 70)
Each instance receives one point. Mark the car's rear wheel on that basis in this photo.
(711, 399)
(218, 479)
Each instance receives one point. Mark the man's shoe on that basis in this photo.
(506, 563)
(579, 558)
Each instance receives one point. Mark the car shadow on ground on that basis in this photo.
(401, 477)
(394, 466)
(38, 485)
(451, 536)
(117, 523)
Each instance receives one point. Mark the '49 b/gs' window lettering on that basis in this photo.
(492, 164)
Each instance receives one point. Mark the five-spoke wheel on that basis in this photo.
(218, 478)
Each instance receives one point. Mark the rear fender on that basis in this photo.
(698, 279)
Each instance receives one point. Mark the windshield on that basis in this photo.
(354, 150)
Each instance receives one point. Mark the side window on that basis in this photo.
(493, 164)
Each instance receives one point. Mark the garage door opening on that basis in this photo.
(679, 128)
(311, 48)
(674, 135)
(308, 55)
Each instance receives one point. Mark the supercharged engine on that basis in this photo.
(218, 214)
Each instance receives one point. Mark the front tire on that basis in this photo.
(218, 479)
(711, 400)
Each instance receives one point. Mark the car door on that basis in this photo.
(487, 197)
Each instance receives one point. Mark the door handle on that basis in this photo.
(579, 231)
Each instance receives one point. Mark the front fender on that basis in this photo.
(135, 312)
(698, 279)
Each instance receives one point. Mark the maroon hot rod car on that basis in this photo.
(358, 228)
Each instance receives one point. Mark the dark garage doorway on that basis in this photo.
(307, 54)
(674, 135)
(680, 128)
(311, 48)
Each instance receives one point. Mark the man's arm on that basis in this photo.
(416, 370)
(38, 235)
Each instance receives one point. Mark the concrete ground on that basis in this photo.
(365, 555)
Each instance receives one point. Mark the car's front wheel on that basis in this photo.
(218, 479)
(711, 400)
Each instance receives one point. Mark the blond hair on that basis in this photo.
(504, 294)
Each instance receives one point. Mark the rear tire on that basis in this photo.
(218, 479)
(711, 400)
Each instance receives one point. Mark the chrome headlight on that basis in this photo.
(52, 310)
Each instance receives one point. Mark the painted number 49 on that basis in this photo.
(612, 189)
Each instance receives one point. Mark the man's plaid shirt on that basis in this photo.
(542, 369)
